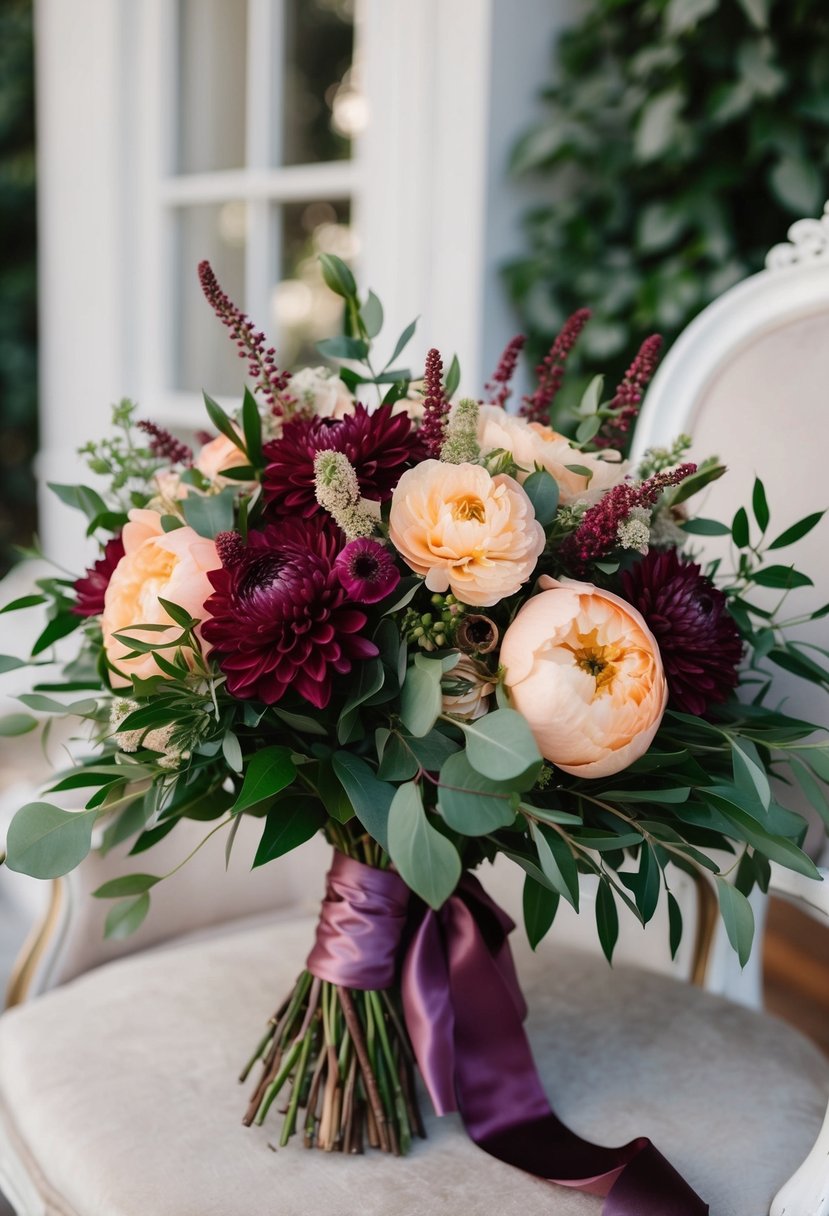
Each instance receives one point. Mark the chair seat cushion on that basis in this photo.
(120, 1092)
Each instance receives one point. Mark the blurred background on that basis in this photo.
(490, 165)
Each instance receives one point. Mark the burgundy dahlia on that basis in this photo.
(367, 571)
(688, 615)
(91, 588)
(280, 618)
(380, 446)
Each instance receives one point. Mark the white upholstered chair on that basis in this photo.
(117, 1088)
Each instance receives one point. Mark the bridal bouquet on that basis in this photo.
(435, 630)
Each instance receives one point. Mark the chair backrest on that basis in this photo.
(749, 381)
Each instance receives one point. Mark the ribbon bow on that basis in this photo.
(464, 1013)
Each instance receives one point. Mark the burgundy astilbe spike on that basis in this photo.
(165, 445)
(498, 388)
(628, 396)
(550, 371)
(597, 534)
(435, 405)
(265, 376)
(230, 547)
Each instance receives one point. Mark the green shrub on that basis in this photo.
(18, 279)
(679, 141)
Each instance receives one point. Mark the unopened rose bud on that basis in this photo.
(466, 689)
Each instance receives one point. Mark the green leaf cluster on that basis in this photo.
(662, 126)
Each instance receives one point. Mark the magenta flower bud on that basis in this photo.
(366, 571)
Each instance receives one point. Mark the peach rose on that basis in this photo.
(318, 390)
(465, 530)
(585, 671)
(173, 565)
(217, 455)
(532, 444)
(169, 491)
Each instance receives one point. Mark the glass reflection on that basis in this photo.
(321, 105)
(303, 310)
(212, 66)
(204, 356)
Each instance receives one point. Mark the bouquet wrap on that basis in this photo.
(464, 1012)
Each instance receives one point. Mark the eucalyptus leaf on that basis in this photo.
(82, 498)
(500, 745)
(469, 802)
(421, 699)
(126, 916)
(209, 514)
(372, 314)
(45, 841)
(542, 490)
(16, 724)
(425, 859)
(127, 884)
(370, 797)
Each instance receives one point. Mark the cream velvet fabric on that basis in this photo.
(121, 1087)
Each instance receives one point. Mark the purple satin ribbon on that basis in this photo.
(464, 1013)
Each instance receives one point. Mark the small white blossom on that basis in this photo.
(461, 443)
(338, 492)
(634, 532)
(320, 391)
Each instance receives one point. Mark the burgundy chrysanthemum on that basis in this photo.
(367, 571)
(688, 615)
(380, 446)
(91, 588)
(280, 617)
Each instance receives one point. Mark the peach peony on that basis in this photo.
(172, 565)
(217, 455)
(465, 530)
(585, 671)
(532, 444)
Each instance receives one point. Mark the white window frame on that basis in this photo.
(262, 185)
(449, 85)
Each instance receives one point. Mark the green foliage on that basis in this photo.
(46, 842)
(678, 142)
(18, 279)
(426, 860)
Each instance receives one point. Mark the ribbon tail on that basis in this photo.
(504, 1107)
(428, 1011)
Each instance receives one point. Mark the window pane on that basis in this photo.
(321, 106)
(204, 354)
(212, 54)
(303, 309)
